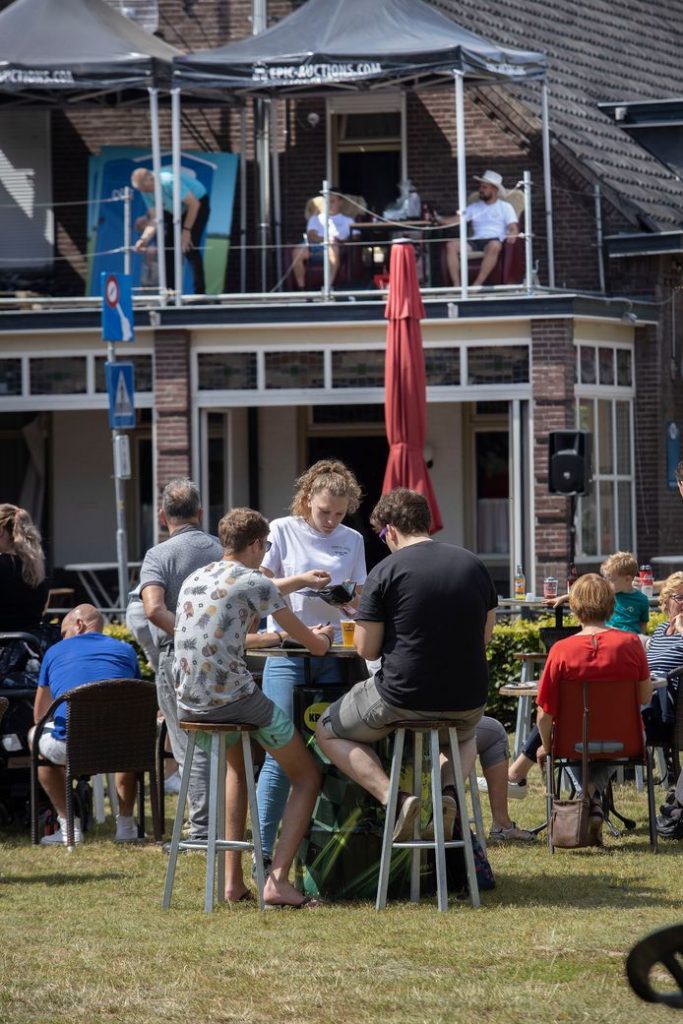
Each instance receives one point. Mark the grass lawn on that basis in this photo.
(84, 939)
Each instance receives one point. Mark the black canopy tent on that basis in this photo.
(59, 52)
(57, 47)
(349, 44)
(68, 52)
(328, 46)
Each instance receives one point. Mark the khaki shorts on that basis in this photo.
(364, 715)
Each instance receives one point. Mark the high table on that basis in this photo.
(335, 651)
(90, 575)
(340, 853)
(535, 604)
(381, 234)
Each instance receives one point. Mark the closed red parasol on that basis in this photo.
(405, 403)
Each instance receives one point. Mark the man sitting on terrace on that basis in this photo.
(493, 221)
(339, 231)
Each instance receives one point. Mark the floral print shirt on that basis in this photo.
(216, 606)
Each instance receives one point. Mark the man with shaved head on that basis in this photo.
(84, 655)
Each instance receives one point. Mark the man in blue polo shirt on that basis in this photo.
(84, 655)
(195, 214)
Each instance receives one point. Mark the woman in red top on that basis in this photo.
(598, 652)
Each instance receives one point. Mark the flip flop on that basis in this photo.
(309, 903)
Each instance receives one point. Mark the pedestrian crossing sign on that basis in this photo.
(121, 389)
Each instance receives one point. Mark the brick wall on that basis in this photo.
(552, 376)
(171, 405)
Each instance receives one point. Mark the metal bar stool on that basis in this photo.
(439, 844)
(215, 843)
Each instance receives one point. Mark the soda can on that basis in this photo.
(549, 587)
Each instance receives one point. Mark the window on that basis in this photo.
(65, 376)
(294, 370)
(503, 364)
(605, 394)
(226, 371)
(606, 513)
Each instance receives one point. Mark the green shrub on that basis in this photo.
(123, 633)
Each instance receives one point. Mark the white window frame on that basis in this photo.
(596, 393)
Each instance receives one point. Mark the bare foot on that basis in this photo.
(237, 894)
(281, 893)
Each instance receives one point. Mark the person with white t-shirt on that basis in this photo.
(493, 221)
(339, 231)
(312, 538)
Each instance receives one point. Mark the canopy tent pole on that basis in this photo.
(547, 185)
(263, 164)
(528, 238)
(127, 207)
(327, 284)
(277, 204)
(243, 199)
(176, 144)
(462, 175)
(158, 198)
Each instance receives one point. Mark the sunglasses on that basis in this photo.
(267, 545)
(678, 598)
(383, 534)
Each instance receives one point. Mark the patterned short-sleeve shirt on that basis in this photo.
(216, 606)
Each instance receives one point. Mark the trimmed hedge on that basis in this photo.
(123, 633)
(510, 636)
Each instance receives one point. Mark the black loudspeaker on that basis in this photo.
(569, 461)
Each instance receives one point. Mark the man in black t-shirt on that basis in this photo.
(428, 610)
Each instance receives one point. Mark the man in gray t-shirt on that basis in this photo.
(163, 571)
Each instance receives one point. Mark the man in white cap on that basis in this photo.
(493, 220)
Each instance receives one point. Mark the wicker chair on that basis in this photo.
(111, 727)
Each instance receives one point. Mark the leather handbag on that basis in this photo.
(570, 821)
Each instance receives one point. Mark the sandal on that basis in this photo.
(309, 903)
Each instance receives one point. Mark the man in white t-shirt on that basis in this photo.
(493, 221)
(340, 229)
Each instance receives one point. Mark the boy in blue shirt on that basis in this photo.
(631, 606)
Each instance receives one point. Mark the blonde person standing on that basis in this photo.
(313, 537)
(23, 587)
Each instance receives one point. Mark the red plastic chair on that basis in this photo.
(615, 733)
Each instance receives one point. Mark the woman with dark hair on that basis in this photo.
(23, 587)
(597, 652)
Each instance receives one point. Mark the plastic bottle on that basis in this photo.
(646, 580)
(520, 584)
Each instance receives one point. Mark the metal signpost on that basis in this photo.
(117, 325)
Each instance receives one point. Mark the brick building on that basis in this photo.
(243, 394)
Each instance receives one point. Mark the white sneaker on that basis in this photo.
(126, 830)
(172, 784)
(58, 838)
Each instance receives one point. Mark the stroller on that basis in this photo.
(20, 658)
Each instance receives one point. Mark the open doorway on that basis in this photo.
(367, 146)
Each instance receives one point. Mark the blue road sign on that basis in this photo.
(117, 307)
(121, 388)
